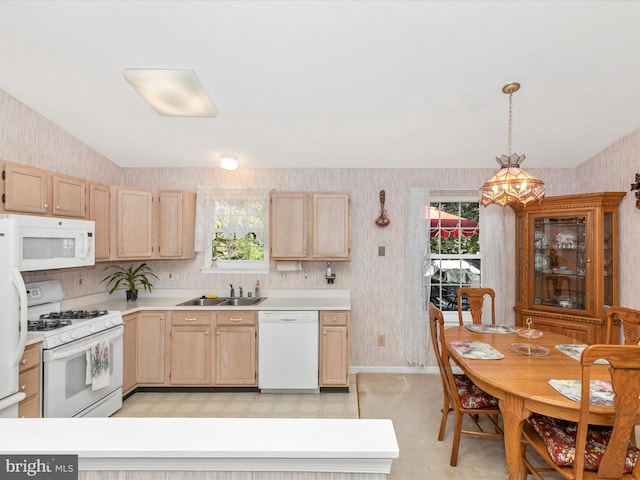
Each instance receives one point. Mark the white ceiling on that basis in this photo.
(362, 84)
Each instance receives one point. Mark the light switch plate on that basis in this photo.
(381, 251)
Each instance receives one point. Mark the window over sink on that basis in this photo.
(232, 230)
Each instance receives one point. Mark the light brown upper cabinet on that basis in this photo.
(69, 196)
(311, 226)
(133, 225)
(36, 191)
(99, 212)
(150, 224)
(176, 217)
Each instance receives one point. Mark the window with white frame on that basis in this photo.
(232, 230)
(454, 236)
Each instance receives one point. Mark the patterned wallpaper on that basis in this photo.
(376, 283)
(614, 169)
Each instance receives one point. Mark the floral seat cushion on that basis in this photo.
(471, 396)
(560, 438)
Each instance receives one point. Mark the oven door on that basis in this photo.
(65, 391)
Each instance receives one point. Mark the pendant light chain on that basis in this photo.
(510, 122)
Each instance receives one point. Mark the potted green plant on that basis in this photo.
(131, 278)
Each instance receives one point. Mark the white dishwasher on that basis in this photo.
(288, 351)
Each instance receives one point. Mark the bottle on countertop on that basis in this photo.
(257, 292)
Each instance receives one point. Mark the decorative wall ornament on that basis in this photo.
(636, 186)
(383, 218)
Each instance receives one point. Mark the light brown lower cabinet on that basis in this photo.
(216, 348)
(150, 354)
(129, 356)
(334, 349)
(190, 348)
(29, 382)
(584, 330)
(235, 349)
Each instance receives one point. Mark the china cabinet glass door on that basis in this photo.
(608, 259)
(560, 262)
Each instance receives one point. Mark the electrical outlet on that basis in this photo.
(381, 340)
(381, 251)
(80, 281)
(170, 275)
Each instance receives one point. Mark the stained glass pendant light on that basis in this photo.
(511, 184)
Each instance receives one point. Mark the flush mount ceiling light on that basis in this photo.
(511, 184)
(172, 93)
(229, 162)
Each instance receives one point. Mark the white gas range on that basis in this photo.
(81, 357)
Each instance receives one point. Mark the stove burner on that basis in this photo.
(73, 314)
(53, 320)
(44, 324)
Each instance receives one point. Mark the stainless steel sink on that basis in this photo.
(222, 302)
(202, 302)
(242, 302)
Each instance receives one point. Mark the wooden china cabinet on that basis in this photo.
(567, 263)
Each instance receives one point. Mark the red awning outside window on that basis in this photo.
(446, 224)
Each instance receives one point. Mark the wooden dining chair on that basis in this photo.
(630, 320)
(587, 452)
(475, 298)
(460, 394)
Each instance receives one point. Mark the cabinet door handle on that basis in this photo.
(206, 333)
(192, 319)
(235, 319)
(57, 207)
(46, 205)
(217, 332)
(23, 388)
(24, 361)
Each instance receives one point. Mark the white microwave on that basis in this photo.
(47, 243)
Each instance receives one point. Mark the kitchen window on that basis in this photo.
(456, 261)
(232, 230)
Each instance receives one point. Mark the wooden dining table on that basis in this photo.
(520, 382)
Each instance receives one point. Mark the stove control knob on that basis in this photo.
(107, 323)
(93, 329)
(74, 334)
(64, 337)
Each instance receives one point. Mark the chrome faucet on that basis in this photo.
(232, 293)
(240, 288)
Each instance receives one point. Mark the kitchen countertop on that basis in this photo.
(31, 339)
(365, 446)
(296, 299)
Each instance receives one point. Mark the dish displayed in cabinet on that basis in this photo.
(541, 239)
(541, 262)
(567, 239)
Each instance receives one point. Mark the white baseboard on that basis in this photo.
(365, 369)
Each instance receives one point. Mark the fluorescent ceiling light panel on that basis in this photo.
(172, 93)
